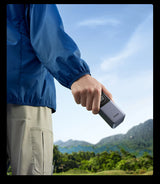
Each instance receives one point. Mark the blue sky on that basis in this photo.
(117, 43)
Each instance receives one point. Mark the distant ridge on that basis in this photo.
(71, 143)
(137, 140)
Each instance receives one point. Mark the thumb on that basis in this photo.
(107, 92)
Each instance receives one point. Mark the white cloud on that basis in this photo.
(133, 94)
(139, 40)
(138, 85)
(132, 91)
(132, 87)
(98, 22)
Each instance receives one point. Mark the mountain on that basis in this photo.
(137, 140)
(72, 143)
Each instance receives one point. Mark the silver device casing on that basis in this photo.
(110, 112)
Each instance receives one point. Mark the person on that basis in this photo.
(39, 50)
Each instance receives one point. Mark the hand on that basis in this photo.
(87, 92)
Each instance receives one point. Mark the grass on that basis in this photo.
(108, 172)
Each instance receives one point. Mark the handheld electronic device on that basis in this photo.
(110, 112)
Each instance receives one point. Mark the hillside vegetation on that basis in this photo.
(91, 163)
(122, 154)
(137, 140)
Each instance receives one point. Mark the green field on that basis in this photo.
(108, 172)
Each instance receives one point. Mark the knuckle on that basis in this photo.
(83, 91)
(90, 91)
(97, 91)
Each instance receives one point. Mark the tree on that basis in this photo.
(90, 161)
(57, 159)
(146, 161)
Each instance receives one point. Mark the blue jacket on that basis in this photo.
(39, 50)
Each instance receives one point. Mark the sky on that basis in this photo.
(117, 43)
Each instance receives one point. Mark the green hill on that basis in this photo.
(137, 140)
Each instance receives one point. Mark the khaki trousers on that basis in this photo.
(29, 139)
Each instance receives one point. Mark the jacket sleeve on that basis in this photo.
(53, 47)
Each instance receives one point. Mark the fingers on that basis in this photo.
(93, 100)
(77, 97)
(87, 92)
(89, 98)
(96, 101)
(89, 101)
(83, 98)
